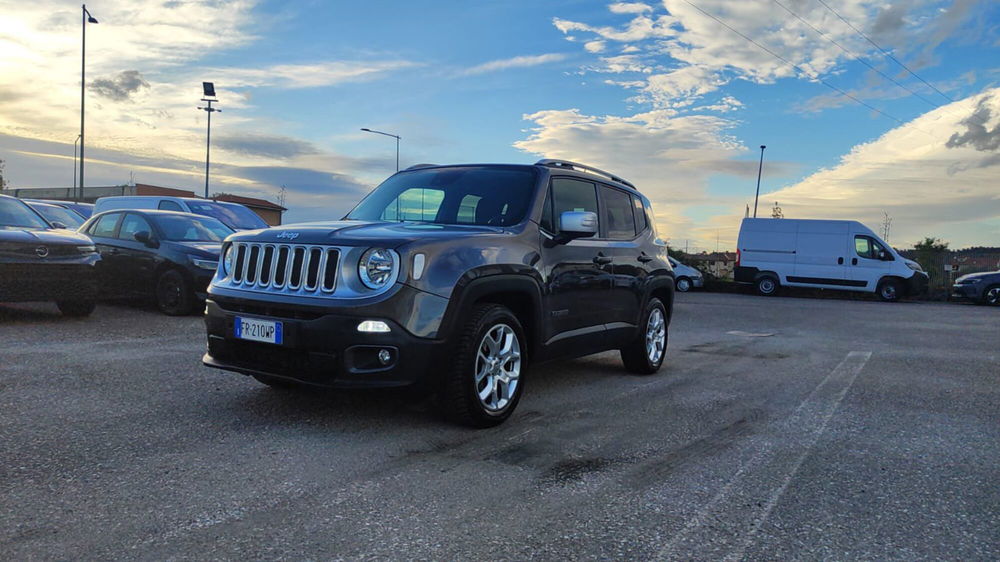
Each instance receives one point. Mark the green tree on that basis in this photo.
(931, 255)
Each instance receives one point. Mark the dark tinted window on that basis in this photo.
(547, 221)
(132, 224)
(500, 196)
(55, 213)
(618, 213)
(14, 213)
(232, 214)
(169, 206)
(572, 195)
(105, 226)
(640, 214)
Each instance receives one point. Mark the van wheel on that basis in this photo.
(485, 380)
(767, 285)
(991, 295)
(76, 308)
(889, 290)
(644, 356)
(683, 284)
(173, 294)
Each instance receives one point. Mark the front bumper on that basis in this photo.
(697, 282)
(320, 348)
(969, 291)
(49, 281)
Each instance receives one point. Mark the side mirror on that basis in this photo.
(883, 255)
(57, 224)
(577, 224)
(144, 237)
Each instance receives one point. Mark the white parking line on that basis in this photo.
(723, 519)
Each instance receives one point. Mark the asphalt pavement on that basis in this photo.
(779, 428)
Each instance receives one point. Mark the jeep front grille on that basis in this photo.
(294, 268)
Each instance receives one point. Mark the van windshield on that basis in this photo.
(475, 195)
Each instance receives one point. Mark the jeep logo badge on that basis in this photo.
(42, 251)
(288, 235)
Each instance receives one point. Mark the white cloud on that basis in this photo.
(594, 46)
(515, 62)
(629, 8)
(313, 75)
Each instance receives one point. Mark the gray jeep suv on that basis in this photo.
(451, 277)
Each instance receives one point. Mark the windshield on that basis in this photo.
(15, 214)
(480, 195)
(54, 213)
(235, 215)
(179, 228)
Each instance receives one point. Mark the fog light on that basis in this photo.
(384, 356)
(373, 327)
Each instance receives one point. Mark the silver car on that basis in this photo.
(686, 277)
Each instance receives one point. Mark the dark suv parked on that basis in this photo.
(452, 276)
(168, 255)
(41, 263)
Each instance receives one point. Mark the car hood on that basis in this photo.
(977, 275)
(361, 233)
(203, 249)
(49, 237)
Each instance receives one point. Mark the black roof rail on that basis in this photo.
(419, 166)
(576, 165)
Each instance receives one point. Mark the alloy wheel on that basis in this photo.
(656, 336)
(498, 367)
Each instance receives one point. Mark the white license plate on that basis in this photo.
(267, 331)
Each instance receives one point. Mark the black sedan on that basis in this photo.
(41, 263)
(166, 255)
(979, 287)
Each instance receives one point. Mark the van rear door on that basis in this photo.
(821, 253)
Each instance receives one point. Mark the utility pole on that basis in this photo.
(87, 18)
(886, 223)
(209, 90)
(397, 137)
(760, 168)
(78, 137)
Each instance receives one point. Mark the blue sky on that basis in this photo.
(659, 93)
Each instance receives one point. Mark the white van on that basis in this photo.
(825, 254)
(233, 215)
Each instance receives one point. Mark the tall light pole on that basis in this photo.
(87, 18)
(74, 165)
(397, 137)
(209, 90)
(759, 170)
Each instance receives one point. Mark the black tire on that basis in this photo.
(682, 284)
(889, 290)
(636, 355)
(173, 294)
(767, 285)
(76, 308)
(458, 397)
(991, 295)
(274, 382)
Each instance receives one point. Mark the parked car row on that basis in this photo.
(49, 251)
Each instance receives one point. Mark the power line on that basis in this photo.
(854, 56)
(797, 67)
(884, 52)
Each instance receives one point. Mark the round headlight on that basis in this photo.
(227, 260)
(377, 268)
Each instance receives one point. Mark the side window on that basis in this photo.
(572, 195)
(467, 209)
(640, 214)
(618, 214)
(169, 206)
(130, 225)
(105, 226)
(414, 204)
(864, 247)
(547, 223)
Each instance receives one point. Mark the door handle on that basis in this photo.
(601, 260)
(840, 261)
(112, 252)
(854, 261)
(643, 258)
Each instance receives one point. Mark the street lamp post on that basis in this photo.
(760, 168)
(74, 165)
(397, 137)
(209, 90)
(87, 18)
